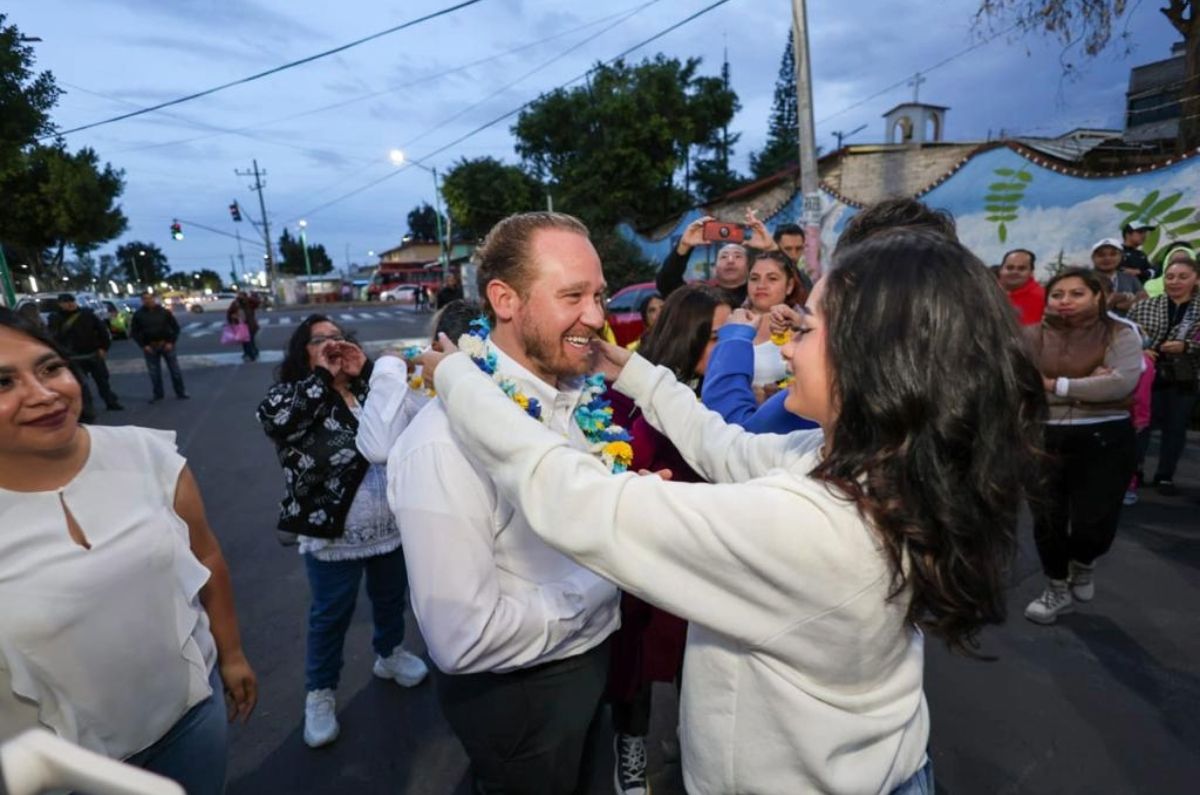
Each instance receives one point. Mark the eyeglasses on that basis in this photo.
(321, 339)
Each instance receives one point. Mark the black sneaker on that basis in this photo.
(1167, 488)
(629, 772)
(115, 407)
(184, 396)
(156, 398)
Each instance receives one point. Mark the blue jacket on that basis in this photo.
(728, 387)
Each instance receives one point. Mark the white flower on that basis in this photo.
(313, 391)
(282, 417)
(341, 457)
(318, 517)
(472, 346)
(275, 399)
(306, 462)
(293, 509)
(331, 424)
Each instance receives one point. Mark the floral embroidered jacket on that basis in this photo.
(313, 430)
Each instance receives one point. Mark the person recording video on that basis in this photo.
(734, 259)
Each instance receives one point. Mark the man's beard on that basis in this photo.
(546, 351)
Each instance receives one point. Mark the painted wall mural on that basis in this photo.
(1004, 198)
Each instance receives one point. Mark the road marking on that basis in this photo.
(201, 329)
(367, 315)
(285, 320)
(345, 316)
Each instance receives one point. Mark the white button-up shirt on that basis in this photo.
(488, 594)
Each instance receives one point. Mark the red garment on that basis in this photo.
(649, 645)
(1030, 301)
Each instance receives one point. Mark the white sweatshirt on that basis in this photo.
(799, 675)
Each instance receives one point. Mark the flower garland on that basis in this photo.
(416, 380)
(594, 415)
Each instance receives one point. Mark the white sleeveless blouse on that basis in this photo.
(107, 646)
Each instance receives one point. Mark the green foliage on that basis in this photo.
(142, 263)
(203, 279)
(711, 174)
(1003, 200)
(1172, 224)
(291, 257)
(54, 199)
(423, 223)
(623, 260)
(482, 191)
(783, 133)
(611, 150)
(25, 99)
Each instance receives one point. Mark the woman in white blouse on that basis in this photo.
(773, 281)
(812, 565)
(118, 630)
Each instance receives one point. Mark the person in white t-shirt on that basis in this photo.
(813, 564)
(118, 629)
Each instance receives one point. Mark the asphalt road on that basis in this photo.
(1107, 701)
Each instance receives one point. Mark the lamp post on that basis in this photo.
(398, 159)
(307, 264)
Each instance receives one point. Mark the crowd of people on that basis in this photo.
(771, 502)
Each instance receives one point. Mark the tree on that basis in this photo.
(423, 223)
(712, 176)
(1089, 23)
(203, 279)
(291, 257)
(613, 149)
(482, 191)
(25, 99)
(55, 199)
(143, 263)
(783, 131)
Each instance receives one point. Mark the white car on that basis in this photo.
(403, 293)
(217, 302)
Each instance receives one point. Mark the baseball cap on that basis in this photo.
(66, 298)
(1108, 241)
(1139, 226)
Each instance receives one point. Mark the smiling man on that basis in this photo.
(516, 630)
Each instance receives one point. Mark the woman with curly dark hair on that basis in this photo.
(813, 564)
(317, 413)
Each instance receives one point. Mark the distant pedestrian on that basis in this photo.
(242, 310)
(87, 339)
(451, 290)
(155, 330)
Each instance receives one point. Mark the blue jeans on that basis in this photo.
(195, 751)
(154, 366)
(921, 782)
(250, 348)
(334, 586)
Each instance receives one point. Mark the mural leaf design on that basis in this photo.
(1176, 216)
(1186, 229)
(1003, 199)
(1164, 205)
(1128, 207)
(1150, 199)
(1173, 224)
(1152, 239)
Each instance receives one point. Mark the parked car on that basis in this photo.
(404, 293)
(47, 304)
(622, 313)
(217, 302)
(119, 317)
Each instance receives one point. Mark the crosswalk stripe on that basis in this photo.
(345, 316)
(285, 321)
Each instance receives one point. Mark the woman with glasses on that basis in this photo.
(335, 501)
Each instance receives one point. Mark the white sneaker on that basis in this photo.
(1053, 602)
(629, 770)
(320, 718)
(1130, 498)
(408, 670)
(1083, 586)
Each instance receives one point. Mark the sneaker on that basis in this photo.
(1083, 587)
(115, 407)
(320, 718)
(1054, 601)
(408, 670)
(1130, 498)
(184, 396)
(1167, 488)
(629, 772)
(156, 398)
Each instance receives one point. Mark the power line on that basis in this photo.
(218, 231)
(926, 70)
(518, 109)
(274, 70)
(217, 131)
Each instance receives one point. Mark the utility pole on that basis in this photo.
(811, 215)
(266, 226)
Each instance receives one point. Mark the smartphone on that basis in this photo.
(722, 232)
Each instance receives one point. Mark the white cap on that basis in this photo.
(1109, 241)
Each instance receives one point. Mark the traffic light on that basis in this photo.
(235, 211)
(176, 230)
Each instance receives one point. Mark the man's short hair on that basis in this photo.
(1032, 256)
(788, 229)
(896, 214)
(504, 254)
(454, 319)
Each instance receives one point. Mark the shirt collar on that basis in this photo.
(569, 391)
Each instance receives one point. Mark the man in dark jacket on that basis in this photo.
(155, 329)
(1133, 260)
(451, 291)
(87, 339)
(731, 272)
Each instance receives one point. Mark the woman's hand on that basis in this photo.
(609, 359)
(1049, 384)
(743, 317)
(353, 358)
(784, 319)
(760, 238)
(430, 358)
(241, 687)
(1173, 346)
(329, 357)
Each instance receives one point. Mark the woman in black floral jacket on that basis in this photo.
(336, 502)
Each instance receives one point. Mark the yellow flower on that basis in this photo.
(620, 451)
(521, 400)
(416, 382)
(780, 338)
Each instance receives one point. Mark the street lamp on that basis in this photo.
(307, 264)
(398, 159)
